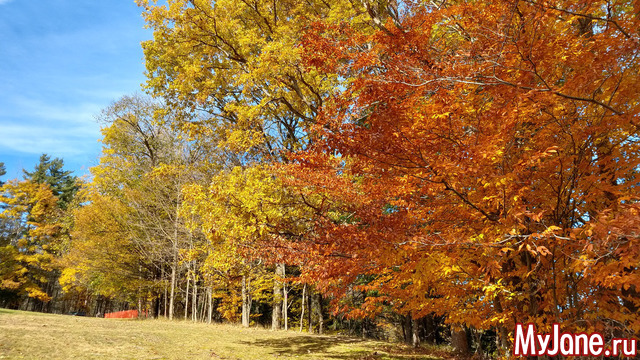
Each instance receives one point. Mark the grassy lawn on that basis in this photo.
(26, 335)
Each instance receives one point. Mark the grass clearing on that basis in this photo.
(27, 335)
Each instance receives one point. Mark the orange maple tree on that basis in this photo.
(482, 163)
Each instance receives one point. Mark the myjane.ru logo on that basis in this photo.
(528, 342)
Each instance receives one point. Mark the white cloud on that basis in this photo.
(49, 128)
(54, 138)
(28, 108)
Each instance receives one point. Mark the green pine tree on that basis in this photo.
(3, 171)
(63, 185)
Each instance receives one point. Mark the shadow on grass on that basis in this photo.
(299, 345)
(333, 347)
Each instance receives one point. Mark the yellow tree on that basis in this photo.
(104, 258)
(32, 237)
(239, 62)
(244, 212)
(144, 165)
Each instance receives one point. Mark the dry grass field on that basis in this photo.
(25, 335)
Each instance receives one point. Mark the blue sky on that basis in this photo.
(61, 62)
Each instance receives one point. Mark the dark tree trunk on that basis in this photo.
(310, 316)
(407, 330)
(459, 340)
(317, 307)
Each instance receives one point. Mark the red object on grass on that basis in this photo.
(127, 314)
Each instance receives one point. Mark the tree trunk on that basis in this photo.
(173, 281)
(139, 307)
(407, 330)
(194, 300)
(459, 340)
(174, 266)
(415, 333)
(276, 315)
(202, 305)
(430, 328)
(285, 304)
(310, 316)
(139, 293)
(364, 328)
(304, 295)
(477, 338)
(165, 301)
(317, 307)
(503, 337)
(210, 302)
(246, 301)
(186, 297)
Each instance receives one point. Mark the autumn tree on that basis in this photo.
(144, 165)
(104, 259)
(486, 155)
(243, 212)
(32, 237)
(34, 233)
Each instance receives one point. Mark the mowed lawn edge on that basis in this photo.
(28, 335)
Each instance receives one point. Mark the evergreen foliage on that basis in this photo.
(63, 185)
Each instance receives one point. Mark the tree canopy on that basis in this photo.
(481, 150)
